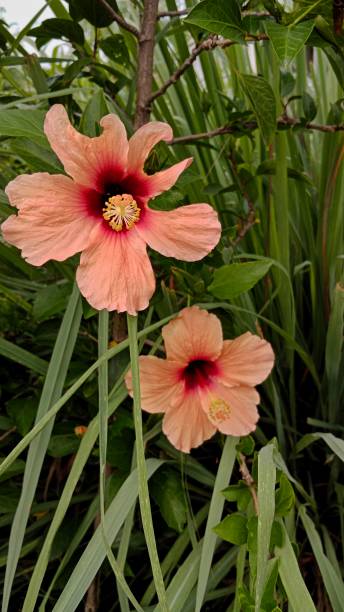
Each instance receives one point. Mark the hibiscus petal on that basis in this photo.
(186, 426)
(87, 159)
(52, 222)
(115, 272)
(144, 139)
(188, 233)
(164, 180)
(247, 360)
(193, 334)
(232, 410)
(160, 383)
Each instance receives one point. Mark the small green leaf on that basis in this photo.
(262, 101)
(93, 11)
(309, 107)
(51, 300)
(233, 529)
(96, 109)
(167, 491)
(239, 493)
(287, 41)
(115, 48)
(246, 445)
(233, 279)
(23, 411)
(58, 28)
(284, 497)
(219, 17)
(63, 444)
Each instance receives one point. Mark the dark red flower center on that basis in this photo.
(199, 373)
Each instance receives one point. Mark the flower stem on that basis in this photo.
(144, 500)
(103, 330)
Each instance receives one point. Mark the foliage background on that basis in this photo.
(255, 93)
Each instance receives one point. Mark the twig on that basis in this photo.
(246, 475)
(145, 62)
(173, 13)
(7, 433)
(251, 125)
(121, 22)
(206, 45)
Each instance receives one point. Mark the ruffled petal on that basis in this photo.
(186, 426)
(232, 410)
(164, 180)
(188, 233)
(247, 360)
(115, 272)
(86, 159)
(52, 222)
(144, 139)
(193, 334)
(160, 383)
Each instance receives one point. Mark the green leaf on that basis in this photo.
(23, 411)
(237, 278)
(287, 41)
(233, 529)
(333, 584)
(115, 48)
(284, 497)
(20, 355)
(93, 11)
(266, 504)
(246, 445)
(335, 444)
(289, 572)
(58, 28)
(16, 468)
(167, 491)
(26, 123)
(239, 493)
(96, 109)
(309, 106)
(262, 101)
(51, 300)
(219, 17)
(63, 444)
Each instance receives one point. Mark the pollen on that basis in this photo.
(121, 212)
(219, 410)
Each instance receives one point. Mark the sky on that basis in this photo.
(19, 12)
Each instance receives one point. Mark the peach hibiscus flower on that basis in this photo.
(102, 209)
(205, 383)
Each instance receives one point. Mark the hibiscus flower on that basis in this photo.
(205, 383)
(102, 209)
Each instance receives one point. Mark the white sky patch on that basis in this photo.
(17, 13)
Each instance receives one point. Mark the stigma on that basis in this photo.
(121, 212)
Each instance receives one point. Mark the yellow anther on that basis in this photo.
(219, 410)
(120, 211)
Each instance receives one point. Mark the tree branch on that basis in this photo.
(121, 22)
(206, 45)
(173, 13)
(145, 62)
(252, 125)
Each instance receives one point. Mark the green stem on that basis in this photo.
(103, 390)
(144, 500)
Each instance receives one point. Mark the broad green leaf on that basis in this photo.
(287, 41)
(94, 554)
(218, 16)
(233, 279)
(333, 584)
(262, 101)
(233, 529)
(93, 11)
(26, 124)
(23, 411)
(167, 490)
(63, 444)
(51, 300)
(290, 574)
(239, 493)
(115, 48)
